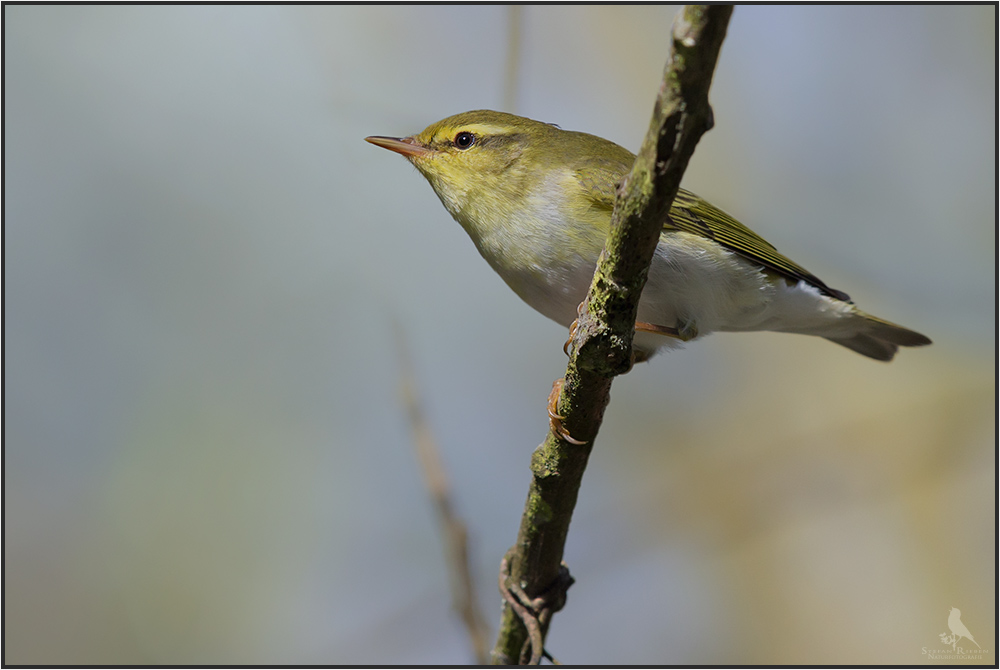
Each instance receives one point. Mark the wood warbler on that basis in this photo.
(537, 200)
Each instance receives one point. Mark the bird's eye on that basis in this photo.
(464, 140)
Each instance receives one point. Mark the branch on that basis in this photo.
(453, 531)
(533, 578)
(512, 66)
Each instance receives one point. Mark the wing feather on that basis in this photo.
(598, 179)
(691, 214)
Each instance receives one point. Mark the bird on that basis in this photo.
(958, 628)
(537, 202)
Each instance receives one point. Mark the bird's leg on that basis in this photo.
(556, 419)
(685, 331)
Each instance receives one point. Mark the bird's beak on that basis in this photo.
(408, 146)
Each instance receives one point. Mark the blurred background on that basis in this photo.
(206, 458)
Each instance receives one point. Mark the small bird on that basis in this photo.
(958, 628)
(537, 201)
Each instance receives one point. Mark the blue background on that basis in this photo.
(206, 459)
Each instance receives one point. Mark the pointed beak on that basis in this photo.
(408, 146)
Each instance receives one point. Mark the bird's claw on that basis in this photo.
(572, 333)
(556, 419)
(573, 327)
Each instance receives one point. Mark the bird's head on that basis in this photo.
(480, 158)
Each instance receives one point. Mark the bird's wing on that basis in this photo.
(598, 179)
(691, 214)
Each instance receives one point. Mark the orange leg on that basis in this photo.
(685, 333)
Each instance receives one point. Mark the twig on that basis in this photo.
(454, 534)
(601, 345)
(512, 64)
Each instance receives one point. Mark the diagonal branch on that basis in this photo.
(601, 345)
(453, 531)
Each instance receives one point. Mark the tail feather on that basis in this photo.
(880, 339)
(866, 345)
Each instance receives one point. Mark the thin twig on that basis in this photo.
(601, 345)
(454, 534)
(512, 64)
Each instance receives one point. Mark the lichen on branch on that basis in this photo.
(601, 345)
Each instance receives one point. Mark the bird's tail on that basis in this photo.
(879, 339)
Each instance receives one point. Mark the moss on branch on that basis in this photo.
(601, 346)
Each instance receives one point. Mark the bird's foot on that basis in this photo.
(573, 327)
(555, 418)
(572, 333)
